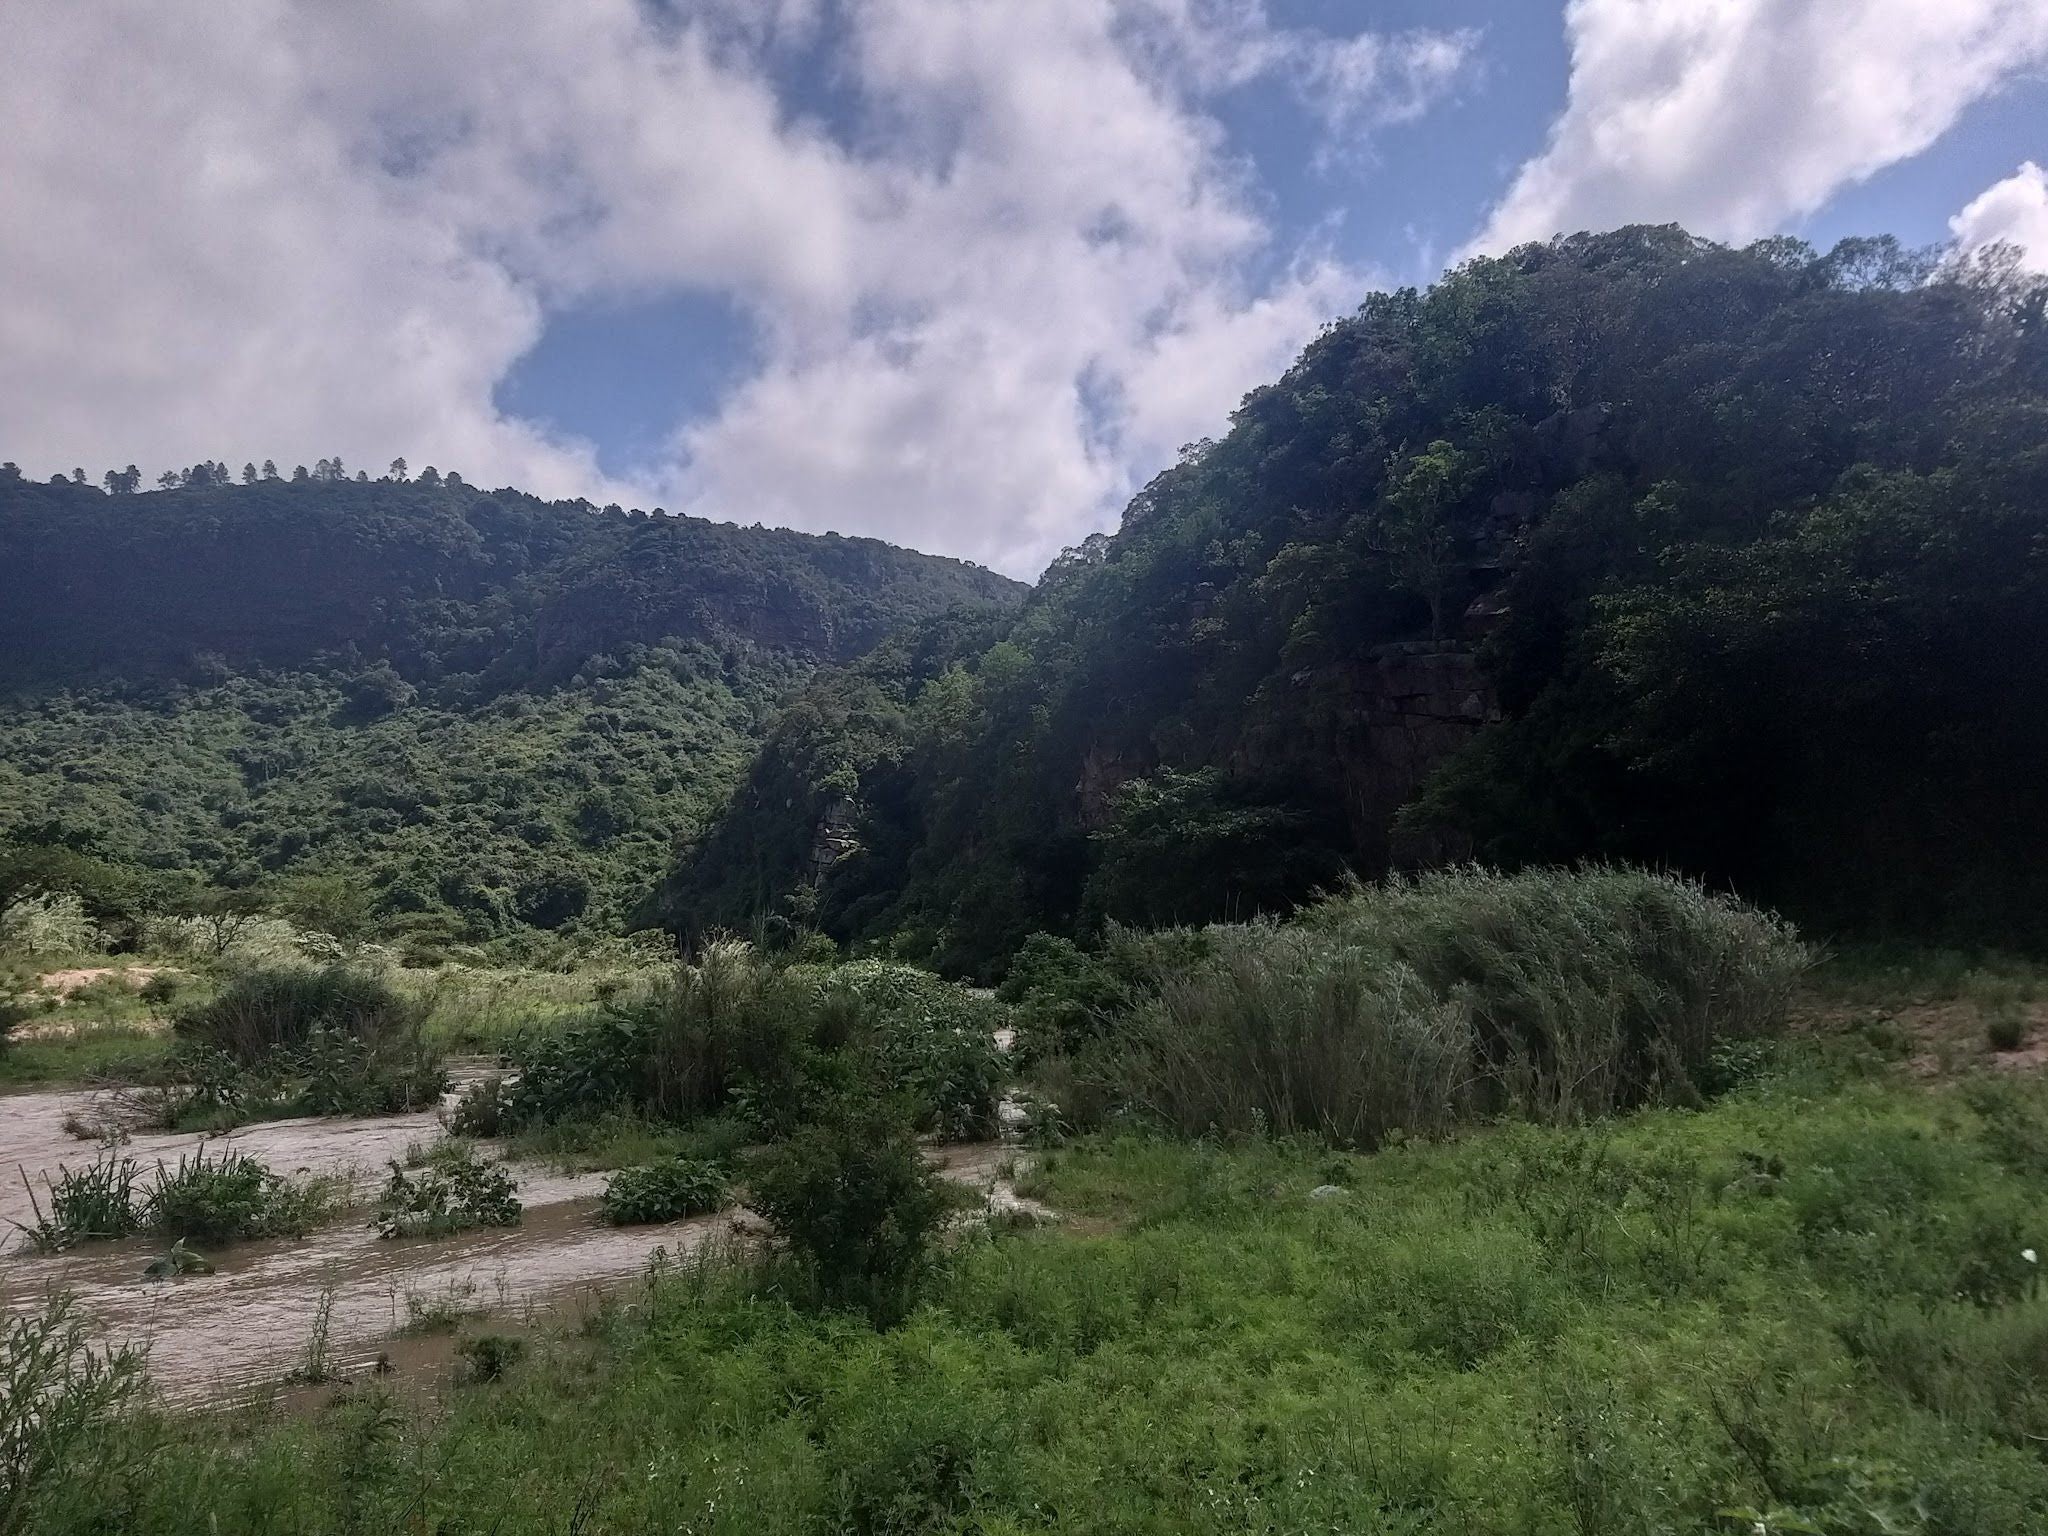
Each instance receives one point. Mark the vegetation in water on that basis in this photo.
(666, 1191)
(206, 1198)
(453, 1190)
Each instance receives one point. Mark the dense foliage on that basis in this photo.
(1624, 546)
(397, 708)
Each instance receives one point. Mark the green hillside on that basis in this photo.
(411, 710)
(1625, 546)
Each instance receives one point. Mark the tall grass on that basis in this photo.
(56, 1390)
(1293, 1031)
(1404, 1007)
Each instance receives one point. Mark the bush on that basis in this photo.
(228, 1198)
(854, 1205)
(275, 1008)
(455, 1191)
(162, 989)
(728, 1032)
(665, 1192)
(1289, 1031)
(933, 1042)
(1406, 1006)
(488, 1356)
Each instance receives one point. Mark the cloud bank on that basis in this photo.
(2011, 212)
(1734, 116)
(1002, 263)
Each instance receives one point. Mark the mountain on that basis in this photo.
(1623, 546)
(426, 711)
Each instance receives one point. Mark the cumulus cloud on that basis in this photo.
(2010, 212)
(1732, 116)
(1020, 265)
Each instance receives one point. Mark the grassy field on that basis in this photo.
(1808, 1307)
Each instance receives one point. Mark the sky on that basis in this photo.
(961, 274)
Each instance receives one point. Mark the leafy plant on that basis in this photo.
(665, 1192)
(489, 1356)
(456, 1191)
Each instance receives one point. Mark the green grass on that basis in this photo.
(1804, 1303)
(624, 1139)
(106, 1051)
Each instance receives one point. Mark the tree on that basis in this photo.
(397, 471)
(1414, 532)
(299, 475)
(269, 469)
(122, 482)
(248, 474)
(430, 476)
(170, 479)
(78, 477)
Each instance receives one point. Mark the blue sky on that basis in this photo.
(957, 273)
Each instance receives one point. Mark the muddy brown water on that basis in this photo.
(247, 1326)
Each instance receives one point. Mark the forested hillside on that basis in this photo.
(405, 708)
(1625, 546)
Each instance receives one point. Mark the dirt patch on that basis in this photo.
(1937, 1038)
(133, 977)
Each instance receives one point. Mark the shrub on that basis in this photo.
(455, 1191)
(728, 1032)
(484, 1108)
(665, 1192)
(933, 1042)
(54, 924)
(1589, 990)
(265, 1010)
(56, 1391)
(854, 1205)
(162, 989)
(345, 1074)
(2006, 1032)
(1289, 1031)
(1551, 994)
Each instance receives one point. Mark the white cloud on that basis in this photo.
(1733, 116)
(2013, 212)
(988, 308)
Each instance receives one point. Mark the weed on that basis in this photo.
(315, 1367)
(229, 1197)
(484, 1108)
